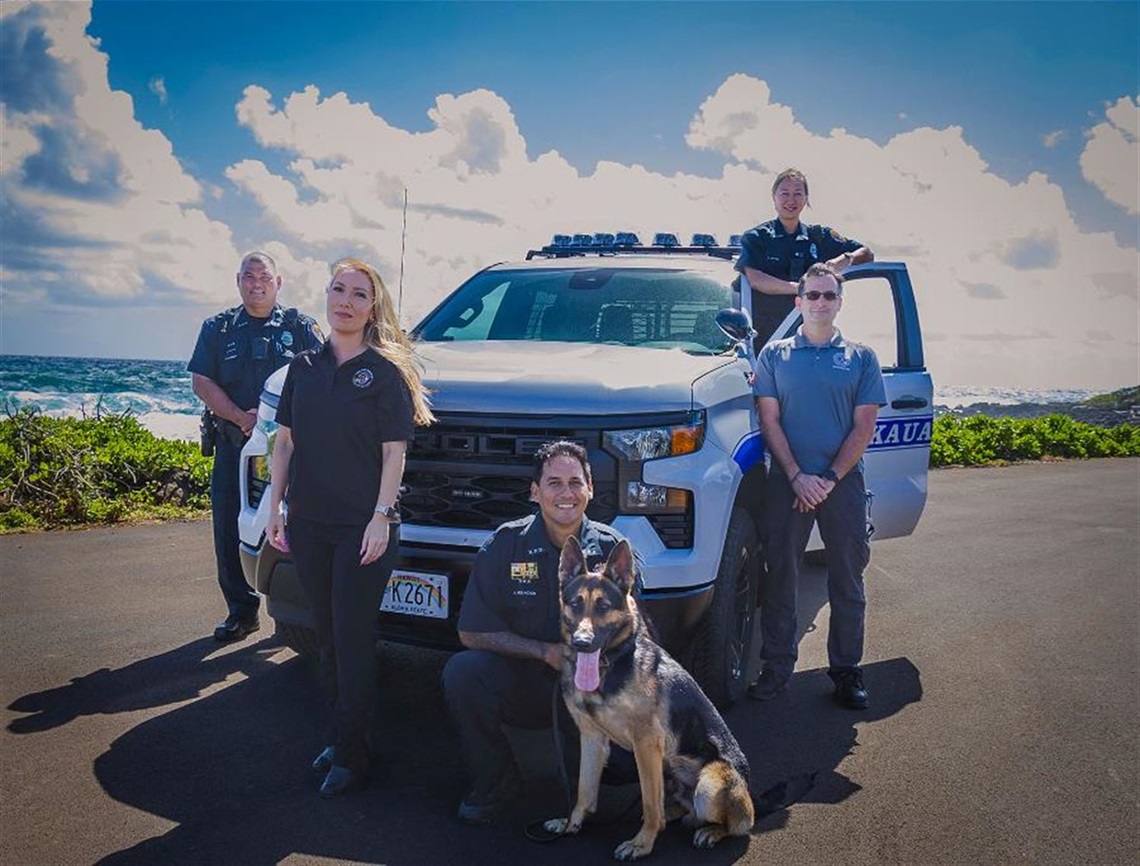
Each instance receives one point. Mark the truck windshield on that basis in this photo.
(663, 308)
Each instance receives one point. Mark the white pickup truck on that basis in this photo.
(618, 349)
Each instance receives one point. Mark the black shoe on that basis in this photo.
(236, 627)
(340, 780)
(476, 810)
(849, 689)
(768, 685)
(324, 761)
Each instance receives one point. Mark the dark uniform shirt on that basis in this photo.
(239, 351)
(514, 579)
(769, 248)
(339, 417)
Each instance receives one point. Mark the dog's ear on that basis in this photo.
(620, 567)
(572, 563)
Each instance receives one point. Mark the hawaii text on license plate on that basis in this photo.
(416, 593)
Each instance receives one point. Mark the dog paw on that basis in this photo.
(561, 826)
(631, 849)
(708, 835)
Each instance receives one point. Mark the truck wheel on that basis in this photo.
(723, 644)
(301, 639)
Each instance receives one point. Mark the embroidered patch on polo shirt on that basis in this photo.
(840, 361)
(524, 571)
(362, 378)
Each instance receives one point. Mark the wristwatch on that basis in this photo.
(830, 475)
(389, 511)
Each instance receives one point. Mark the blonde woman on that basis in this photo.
(346, 413)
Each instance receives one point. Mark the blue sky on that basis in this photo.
(1020, 117)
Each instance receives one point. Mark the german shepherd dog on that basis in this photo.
(621, 687)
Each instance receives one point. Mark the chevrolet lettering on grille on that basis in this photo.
(466, 493)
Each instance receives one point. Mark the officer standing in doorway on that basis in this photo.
(236, 352)
(774, 255)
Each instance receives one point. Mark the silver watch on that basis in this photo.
(389, 511)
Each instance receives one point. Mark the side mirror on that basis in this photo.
(735, 324)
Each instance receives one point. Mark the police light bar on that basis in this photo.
(614, 243)
(734, 240)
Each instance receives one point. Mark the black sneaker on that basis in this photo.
(476, 810)
(768, 685)
(236, 627)
(849, 689)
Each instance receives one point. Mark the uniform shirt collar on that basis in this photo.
(242, 318)
(799, 341)
(801, 230)
(536, 535)
(368, 356)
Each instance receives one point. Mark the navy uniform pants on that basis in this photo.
(843, 527)
(225, 504)
(344, 597)
(486, 690)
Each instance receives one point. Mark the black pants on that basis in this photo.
(225, 504)
(486, 690)
(842, 522)
(344, 597)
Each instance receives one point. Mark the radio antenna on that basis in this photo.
(403, 242)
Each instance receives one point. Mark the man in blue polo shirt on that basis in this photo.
(818, 396)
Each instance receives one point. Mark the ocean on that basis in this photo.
(158, 393)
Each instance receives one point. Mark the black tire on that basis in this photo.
(301, 639)
(816, 558)
(723, 643)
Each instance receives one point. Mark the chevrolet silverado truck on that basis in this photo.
(615, 346)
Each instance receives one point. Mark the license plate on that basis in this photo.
(416, 593)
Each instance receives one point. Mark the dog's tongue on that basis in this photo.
(586, 672)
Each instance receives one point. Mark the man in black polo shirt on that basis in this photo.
(510, 624)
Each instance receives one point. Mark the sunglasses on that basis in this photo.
(815, 296)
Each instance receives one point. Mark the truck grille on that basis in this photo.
(477, 477)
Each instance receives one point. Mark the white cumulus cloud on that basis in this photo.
(1111, 158)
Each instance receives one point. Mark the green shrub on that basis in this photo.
(72, 471)
(980, 440)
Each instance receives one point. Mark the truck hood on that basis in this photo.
(533, 378)
(526, 377)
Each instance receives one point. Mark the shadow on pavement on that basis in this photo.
(168, 678)
(232, 770)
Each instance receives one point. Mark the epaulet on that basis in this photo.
(293, 316)
(815, 234)
(225, 318)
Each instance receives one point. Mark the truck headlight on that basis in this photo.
(651, 443)
(260, 466)
(634, 447)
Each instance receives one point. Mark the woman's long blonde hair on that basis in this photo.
(384, 335)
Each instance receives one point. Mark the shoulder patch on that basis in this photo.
(836, 236)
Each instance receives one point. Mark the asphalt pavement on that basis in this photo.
(1003, 660)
